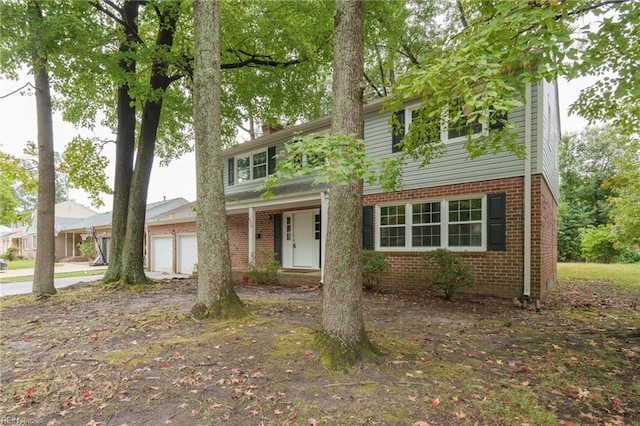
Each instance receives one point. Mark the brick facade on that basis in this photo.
(497, 273)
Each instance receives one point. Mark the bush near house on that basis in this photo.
(264, 269)
(447, 272)
(10, 254)
(87, 248)
(375, 269)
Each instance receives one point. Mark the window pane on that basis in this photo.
(243, 167)
(476, 214)
(426, 236)
(392, 237)
(259, 171)
(260, 158)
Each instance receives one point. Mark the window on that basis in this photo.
(456, 224)
(34, 242)
(465, 223)
(425, 231)
(316, 226)
(25, 243)
(456, 133)
(461, 129)
(392, 226)
(251, 166)
(288, 228)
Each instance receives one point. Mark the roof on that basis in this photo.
(104, 219)
(323, 123)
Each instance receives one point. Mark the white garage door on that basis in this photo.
(187, 253)
(162, 254)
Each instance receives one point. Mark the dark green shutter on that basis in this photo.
(367, 228)
(496, 222)
(271, 158)
(397, 134)
(277, 237)
(231, 167)
(499, 121)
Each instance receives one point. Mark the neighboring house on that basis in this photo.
(25, 237)
(499, 212)
(98, 227)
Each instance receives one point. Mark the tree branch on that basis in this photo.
(373, 86)
(18, 90)
(96, 5)
(463, 18)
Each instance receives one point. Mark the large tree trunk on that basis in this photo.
(216, 296)
(132, 270)
(43, 284)
(343, 340)
(125, 145)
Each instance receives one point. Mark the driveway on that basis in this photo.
(7, 288)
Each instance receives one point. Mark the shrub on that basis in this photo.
(598, 244)
(629, 255)
(10, 254)
(87, 248)
(264, 269)
(375, 269)
(447, 271)
(194, 274)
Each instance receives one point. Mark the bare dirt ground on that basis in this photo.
(92, 357)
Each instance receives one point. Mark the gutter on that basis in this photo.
(526, 292)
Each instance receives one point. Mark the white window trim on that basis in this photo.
(444, 130)
(250, 155)
(25, 243)
(444, 225)
(34, 241)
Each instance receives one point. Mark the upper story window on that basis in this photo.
(251, 166)
(456, 224)
(456, 133)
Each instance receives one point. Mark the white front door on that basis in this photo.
(301, 241)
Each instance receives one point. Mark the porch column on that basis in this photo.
(252, 235)
(324, 214)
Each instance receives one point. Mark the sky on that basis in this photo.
(178, 179)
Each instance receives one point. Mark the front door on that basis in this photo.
(301, 248)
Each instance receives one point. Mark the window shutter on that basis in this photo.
(499, 119)
(271, 158)
(277, 237)
(396, 138)
(367, 228)
(231, 178)
(496, 222)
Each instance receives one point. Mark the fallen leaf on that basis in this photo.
(435, 402)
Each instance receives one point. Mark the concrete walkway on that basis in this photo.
(8, 288)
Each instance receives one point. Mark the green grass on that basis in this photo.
(625, 276)
(58, 275)
(23, 264)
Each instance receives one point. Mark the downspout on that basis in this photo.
(526, 293)
(252, 236)
(324, 214)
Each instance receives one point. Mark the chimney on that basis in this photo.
(268, 129)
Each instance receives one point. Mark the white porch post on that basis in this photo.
(324, 214)
(252, 235)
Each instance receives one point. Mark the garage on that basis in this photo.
(162, 254)
(187, 253)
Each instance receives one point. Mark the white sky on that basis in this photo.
(18, 126)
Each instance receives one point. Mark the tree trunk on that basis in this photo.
(125, 144)
(43, 284)
(343, 341)
(132, 270)
(216, 297)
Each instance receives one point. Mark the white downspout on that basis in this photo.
(324, 214)
(252, 236)
(527, 193)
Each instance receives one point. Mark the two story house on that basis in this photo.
(498, 211)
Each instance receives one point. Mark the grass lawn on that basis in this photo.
(23, 264)
(620, 275)
(139, 357)
(58, 275)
